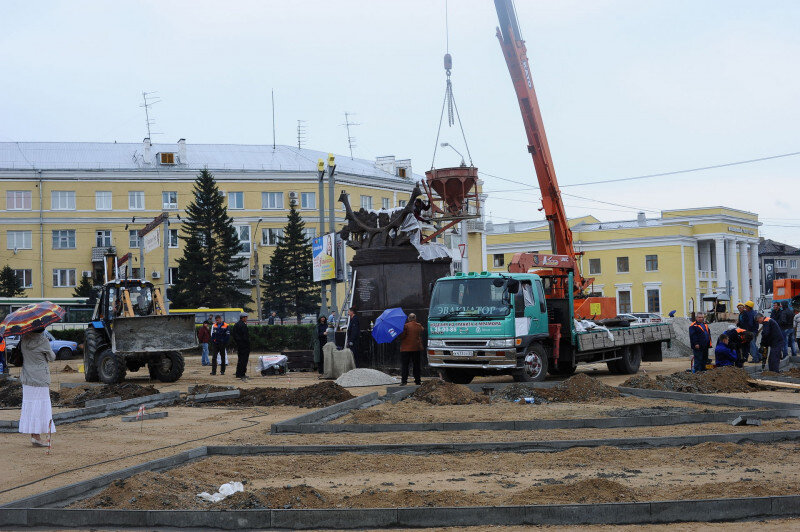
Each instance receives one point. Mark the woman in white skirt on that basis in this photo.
(37, 413)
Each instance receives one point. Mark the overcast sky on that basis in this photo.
(627, 88)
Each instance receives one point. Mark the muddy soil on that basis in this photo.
(354, 480)
(76, 397)
(315, 396)
(579, 388)
(438, 392)
(791, 372)
(11, 393)
(720, 380)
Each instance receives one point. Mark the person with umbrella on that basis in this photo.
(411, 349)
(36, 417)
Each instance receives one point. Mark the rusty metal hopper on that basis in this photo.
(154, 334)
(455, 188)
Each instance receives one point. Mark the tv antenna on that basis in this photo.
(149, 101)
(351, 140)
(273, 119)
(301, 133)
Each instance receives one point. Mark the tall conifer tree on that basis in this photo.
(208, 271)
(10, 284)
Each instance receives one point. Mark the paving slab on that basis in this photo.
(213, 396)
(98, 402)
(146, 416)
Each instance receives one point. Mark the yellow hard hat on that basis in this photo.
(739, 304)
(750, 304)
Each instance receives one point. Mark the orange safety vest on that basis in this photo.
(3, 343)
(703, 326)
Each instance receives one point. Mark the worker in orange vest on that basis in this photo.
(739, 340)
(3, 363)
(700, 340)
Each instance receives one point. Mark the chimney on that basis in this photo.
(641, 219)
(386, 163)
(511, 227)
(182, 151)
(147, 146)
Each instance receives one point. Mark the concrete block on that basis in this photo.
(213, 396)
(13, 517)
(200, 387)
(146, 416)
(461, 516)
(785, 505)
(334, 518)
(64, 518)
(211, 519)
(709, 510)
(576, 514)
(65, 385)
(98, 402)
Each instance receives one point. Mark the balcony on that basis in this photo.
(475, 226)
(706, 275)
(99, 252)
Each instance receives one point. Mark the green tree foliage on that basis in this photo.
(86, 289)
(208, 270)
(288, 286)
(10, 284)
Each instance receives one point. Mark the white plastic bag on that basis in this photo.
(226, 490)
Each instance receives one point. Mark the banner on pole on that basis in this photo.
(152, 240)
(323, 252)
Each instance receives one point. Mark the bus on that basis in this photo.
(79, 309)
(229, 315)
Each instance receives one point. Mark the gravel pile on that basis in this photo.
(727, 379)
(365, 377)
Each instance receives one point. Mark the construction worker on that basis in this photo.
(739, 340)
(220, 336)
(772, 340)
(3, 363)
(700, 340)
(747, 321)
(723, 354)
(787, 326)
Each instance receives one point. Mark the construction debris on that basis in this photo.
(437, 392)
(579, 388)
(314, 396)
(727, 379)
(742, 420)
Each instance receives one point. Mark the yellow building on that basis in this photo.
(651, 264)
(67, 203)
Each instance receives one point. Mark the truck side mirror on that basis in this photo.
(513, 286)
(498, 282)
(430, 288)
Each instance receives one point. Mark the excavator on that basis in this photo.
(554, 269)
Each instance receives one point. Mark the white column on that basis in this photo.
(755, 272)
(719, 245)
(683, 277)
(733, 272)
(696, 278)
(745, 267)
(484, 258)
(707, 260)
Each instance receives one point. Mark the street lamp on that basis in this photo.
(448, 145)
(322, 286)
(258, 273)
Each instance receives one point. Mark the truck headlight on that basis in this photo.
(505, 342)
(435, 343)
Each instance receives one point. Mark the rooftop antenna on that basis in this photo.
(301, 133)
(273, 119)
(149, 101)
(351, 140)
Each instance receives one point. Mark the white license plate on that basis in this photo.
(462, 353)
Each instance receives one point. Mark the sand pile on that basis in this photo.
(437, 392)
(76, 397)
(11, 393)
(69, 369)
(314, 396)
(365, 377)
(584, 491)
(727, 379)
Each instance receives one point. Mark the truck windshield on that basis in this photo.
(468, 298)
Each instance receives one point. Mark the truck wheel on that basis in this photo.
(167, 367)
(110, 367)
(630, 361)
(65, 353)
(89, 350)
(456, 376)
(534, 366)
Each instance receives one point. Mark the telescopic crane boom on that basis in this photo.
(564, 258)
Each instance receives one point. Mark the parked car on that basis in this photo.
(64, 349)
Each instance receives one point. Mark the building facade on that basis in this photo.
(68, 204)
(652, 264)
(777, 261)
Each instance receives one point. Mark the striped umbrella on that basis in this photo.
(31, 317)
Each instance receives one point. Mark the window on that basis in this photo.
(793, 264)
(366, 202)
(622, 265)
(25, 278)
(624, 301)
(310, 232)
(236, 200)
(243, 232)
(384, 203)
(402, 203)
(401, 172)
(780, 263)
(102, 200)
(653, 296)
(594, 267)
(136, 200)
(651, 263)
(18, 239)
(173, 238)
(169, 200)
(133, 238)
(64, 277)
(270, 236)
(167, 158)
(18, 200)
(265, 270)
(272, 200)
(64, 239)
(103, 238)
(62, 200)
(172, 275)
(308, 200)
(499, 260)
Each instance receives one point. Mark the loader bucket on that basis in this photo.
(154, 334)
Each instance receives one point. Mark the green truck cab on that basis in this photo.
(494, 324)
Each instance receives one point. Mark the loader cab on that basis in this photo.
(112, 301)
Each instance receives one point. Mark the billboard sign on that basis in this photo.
(323, 254)
(152, 240)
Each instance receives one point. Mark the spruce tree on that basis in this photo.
(10, 284)
(86, 289)
(289, 288)
(208, 270)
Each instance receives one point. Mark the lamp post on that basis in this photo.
(332, 220)
(448, 145)
(258, 271)
(321, 173)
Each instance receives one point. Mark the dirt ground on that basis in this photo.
(87, 449)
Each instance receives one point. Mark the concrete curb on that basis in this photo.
(708, 399)
(213, 396)
(329, 412)
(98, 402)
(145, 417)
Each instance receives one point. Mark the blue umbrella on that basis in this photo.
(389, 325)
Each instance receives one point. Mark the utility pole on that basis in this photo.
(332, 222)
(165, 225)
(322, 289)
(258, 271)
